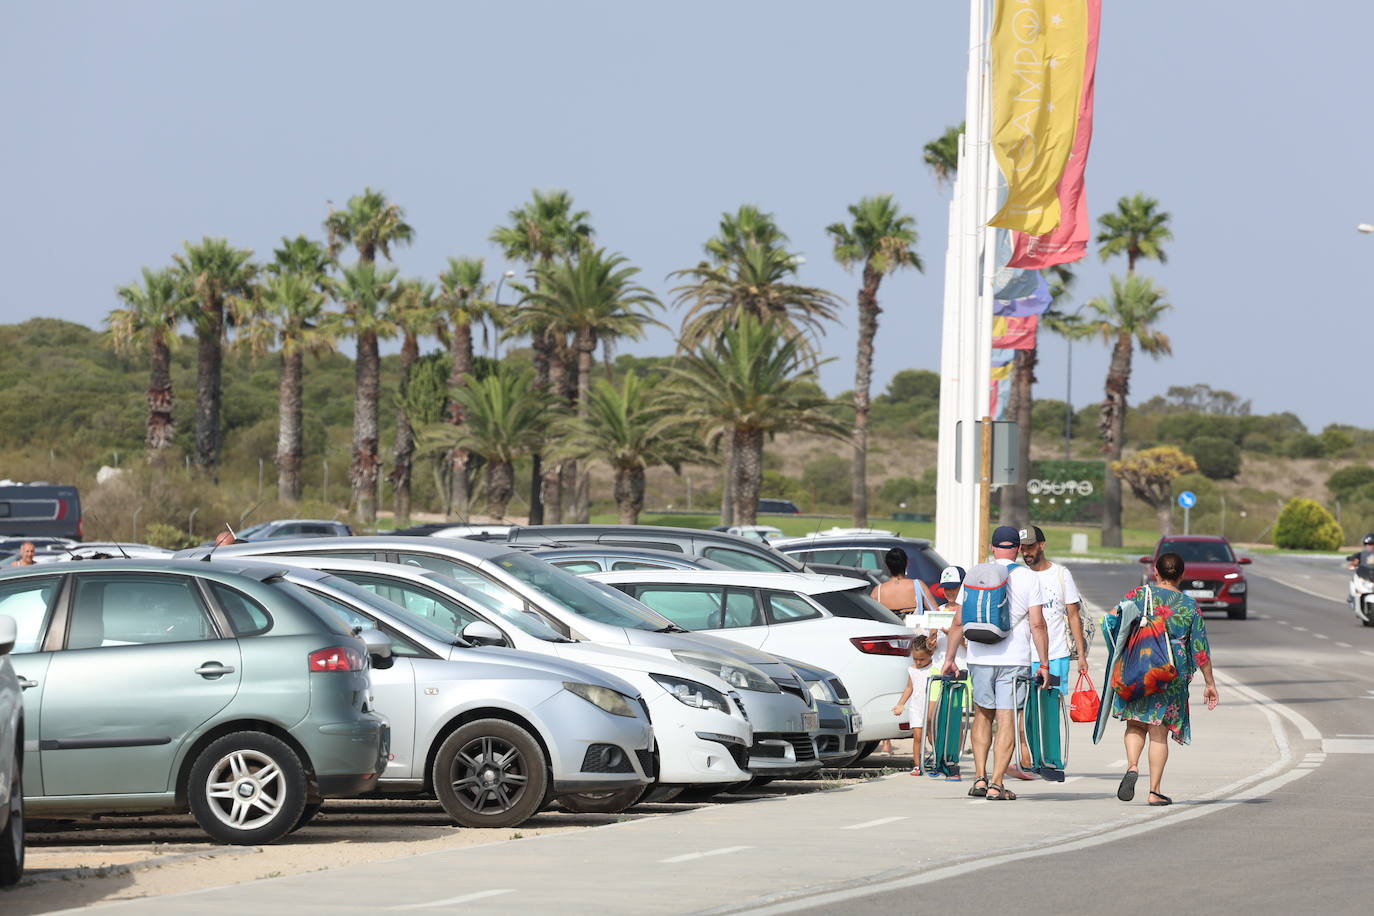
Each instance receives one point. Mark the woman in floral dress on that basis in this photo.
(1160, 715)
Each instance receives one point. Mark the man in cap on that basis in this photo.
(994, 667)
(1062, 606)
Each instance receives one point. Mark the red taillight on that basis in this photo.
(883, 645)
(80, 528)
(339, 658)
(61, 509)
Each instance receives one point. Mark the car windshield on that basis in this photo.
(1198, 551)
(320, 609)
(251, 531)
(857, 604)
(526, 621)
(370, 599)
(580, 596)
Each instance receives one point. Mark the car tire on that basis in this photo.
(307, 814)
(1236, 613)
(661, 794)
(12, 833)
(603, 802)
(490, 773)
(866, 750)
(229, 771)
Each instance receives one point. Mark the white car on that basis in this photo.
(775, 612)
(764, 533)
(11, 761)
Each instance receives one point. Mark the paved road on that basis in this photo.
(1306, 847)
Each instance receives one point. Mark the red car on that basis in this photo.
(1212, 573)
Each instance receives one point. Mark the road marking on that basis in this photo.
(1355, 736)
(688, 857)
(1344, 645)
(1348, 746)
(1320, 636)
(450, 901)
(1116, 764)
(1301, 629)
(1367, 652)
(1283, 622)
(1306, 729)
(879, 822)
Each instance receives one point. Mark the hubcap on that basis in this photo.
(245, 789)
(489, 775)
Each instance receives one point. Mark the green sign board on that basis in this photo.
(1066, 491)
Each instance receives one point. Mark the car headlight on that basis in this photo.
(1237, 588)
(736, 674)
(821, 691)
(693, 693)
(617, 704)
(1231, 576)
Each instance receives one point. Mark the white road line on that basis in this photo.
(1283, 622)
(450, 901)
(1320, 636)
(1344, 645)
(1367, 652)
(1355, 736)
(879, 822)
(1301, 629)
(1116, 764)
(688, 857)
(1306, 729)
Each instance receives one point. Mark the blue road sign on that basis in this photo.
(1187, 499)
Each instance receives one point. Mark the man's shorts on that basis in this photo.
(994, 686)
(1059, 667)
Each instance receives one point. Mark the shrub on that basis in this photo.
(1344, 483)
(1217, 458)
(831, 479)
(1303, 445)
(168, 536)
(1304, 524)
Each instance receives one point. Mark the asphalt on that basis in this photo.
(1270, 817)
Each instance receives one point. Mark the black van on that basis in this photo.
(40, 510)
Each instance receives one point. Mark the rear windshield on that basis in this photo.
(580, 596)
(370, 599)
(321, 610)
(1199, 551)
(855, 603)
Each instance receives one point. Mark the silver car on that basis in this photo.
(11, 761)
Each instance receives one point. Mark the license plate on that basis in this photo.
(811, 721)
(1198, 593)
(856, 723)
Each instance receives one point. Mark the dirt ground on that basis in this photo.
(82, 863)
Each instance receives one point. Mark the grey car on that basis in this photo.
(730, 550)
(11, 761)
(167, 685)
(585, 558)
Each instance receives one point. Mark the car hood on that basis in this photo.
(514, 663)
(649, 661)
(764, 661)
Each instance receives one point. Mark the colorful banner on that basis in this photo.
(1033, 304)
(1037, 54)
(999, 395)
(1068, 241)
(1014, 333)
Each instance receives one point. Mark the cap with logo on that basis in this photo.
(1005, 536)
(1032, 535)
(952, 575)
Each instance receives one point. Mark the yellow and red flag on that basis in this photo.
(1038, 51)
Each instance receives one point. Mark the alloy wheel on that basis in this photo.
(245, 789)
(489, 775)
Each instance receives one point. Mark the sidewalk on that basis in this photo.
(729, 856)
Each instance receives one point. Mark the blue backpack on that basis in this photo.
(986, 612)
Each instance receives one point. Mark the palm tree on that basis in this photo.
(364, 294)
(371, 223)
(754, 381)
(1126, 319)
(883, 239)
(541, 230)
(746, 226)
(149, 320)
(462, 299)
(289, 311)
(631, 427)
(505, 417)
(220, 277)
(1138, 229)
(413, 312)
(941, 155)
(304, 256)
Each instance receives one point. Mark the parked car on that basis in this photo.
(34, 510)
(11, 761)
(492, 733)
(782, 713)
(295, 528)
(727, 549)
(780, 613)
(837, 739)
(1212, 574)
(585, 558)
(769, 506)
(102, 550)
(160, 685)
(865, 549)
(764, 533)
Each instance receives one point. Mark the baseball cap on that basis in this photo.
(952, 575)
(1032, 535)
(1005, 536)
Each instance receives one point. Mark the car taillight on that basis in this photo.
(339, 658)
(883, 645)
(80, 528)
(61, 509)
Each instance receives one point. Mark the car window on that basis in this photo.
(467, 576)
(741, 610)
(580, 567)
(785, 608)
(246, 616)
(253, 530)
(738, 559)
(869, 559)
(28, 601)
(1198, 551)
(857, 604)
(692, 608)
(619, 565)
(647, 545)
(835, 556)
(417, 600)
(355, 620)
(136, 610)
(578, 595)
(313, 530)
(283, 531)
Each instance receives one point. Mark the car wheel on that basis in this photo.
(603, 802)
(865, 750)
(307, 814)
(247, 789)
(12, 837)
(1236, 613)
(490, 773)
(661, 794)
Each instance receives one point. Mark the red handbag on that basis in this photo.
(1084, 704)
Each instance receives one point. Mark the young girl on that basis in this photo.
(914, 699)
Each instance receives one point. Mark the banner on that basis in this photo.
(1014, 333)
(1034, 304)
(1068, 241)
(1037, 54)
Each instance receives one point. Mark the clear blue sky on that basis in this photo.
(130, 126)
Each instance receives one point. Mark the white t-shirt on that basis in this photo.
(1023, 590)
(1059, 591)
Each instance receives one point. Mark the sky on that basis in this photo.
(132, 125)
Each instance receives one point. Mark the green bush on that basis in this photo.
(831, 479)
(1304, 524)
(1347, 481)
(1217, 458)
(167, 536)
(1304, 445)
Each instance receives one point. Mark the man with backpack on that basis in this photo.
(1001, 617)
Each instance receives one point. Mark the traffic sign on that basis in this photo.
(1187, 499)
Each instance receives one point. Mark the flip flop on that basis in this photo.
(1003, 793)
(977, 792)
(1165, 800)
(1126, 791)
(1019, 773)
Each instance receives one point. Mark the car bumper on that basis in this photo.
(838, 737)
(593, 751)
(345, 757)
(698, 746)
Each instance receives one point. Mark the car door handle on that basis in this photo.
(214, 669)
(25, 683)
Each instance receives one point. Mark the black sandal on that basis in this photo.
(1165, 800)
(975, 791)
(1126, 791)
(1003, 793)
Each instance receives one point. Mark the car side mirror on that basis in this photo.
(1147, 559)
(378, 648)
(1245, 561)
(9, 634)
(481, 633)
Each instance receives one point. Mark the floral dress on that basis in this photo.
(1188, 633)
